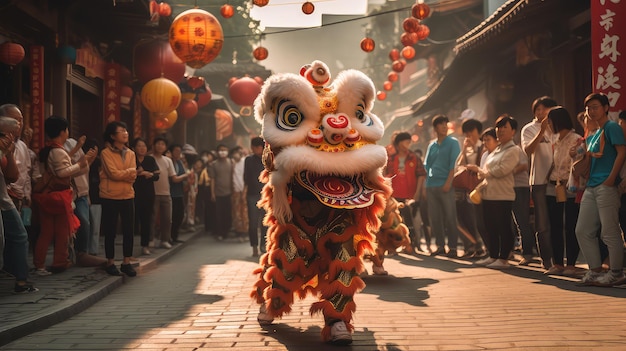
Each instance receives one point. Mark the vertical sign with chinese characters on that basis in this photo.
(37, 95)
(608, 24)
(137, 116)
(111, 93)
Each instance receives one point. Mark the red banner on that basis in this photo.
(608, 24)
(112, 93)
(37, 95)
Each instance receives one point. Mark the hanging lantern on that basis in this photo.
(260, 53)
(420, 11)
(67, 54)
(387, 85)
(164, 122)
(126, 93)
(188, 109)
(423, 32)
(11, 53)
(260, 3)
(411, 24)
(368, 44)
(408, 39)
(398, 65)
(160, 96)
(308, 8)
(227, 11)
(164, 9)
(394, 54)
(223, 124)
(408, 52)
(195, 82)
(155, 59)
(392, 76)
(203, 98)
(196, 37)
(244, 90)
(381, 95)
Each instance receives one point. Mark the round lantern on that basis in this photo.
(166, 121)
(408, 52)
(411, 24)
(160, 96)
(387, 85)
(392, 76)
(164, 9)
(423, 32)
(394, 54)
(196, 37)
(381, 95)
(156, 59)
(398, 65)
(126, 93)
(408, 39)
(223, 124)
(260, 3)
(67, 54)
(204, 98)
(420, 11)
(260, 53)
(11, 53)
(244, 90)
(188, 109)
(368, 44)
(227, 11)
(308, 8)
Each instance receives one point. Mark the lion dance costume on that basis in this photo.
(393, 234)
(324, 192)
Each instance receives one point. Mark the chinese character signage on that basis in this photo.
(36, 93)
(111, 93)
(608, 24)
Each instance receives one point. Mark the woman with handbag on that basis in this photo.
(498, 194)
(53, 197)
(562, 207)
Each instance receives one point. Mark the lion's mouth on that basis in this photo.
(346, 192)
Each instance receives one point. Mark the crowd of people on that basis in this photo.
(74, 190)
(537, 183)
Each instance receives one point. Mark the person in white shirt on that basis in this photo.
(537, 140)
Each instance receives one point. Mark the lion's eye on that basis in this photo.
(362, 116)
(288, 116)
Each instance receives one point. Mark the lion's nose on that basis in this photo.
(335, 127)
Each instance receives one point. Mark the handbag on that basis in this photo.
(465, 179)
(49, 182)
(582, 166)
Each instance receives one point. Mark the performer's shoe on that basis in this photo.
(379, 270)
(339, 334)
(263, 317)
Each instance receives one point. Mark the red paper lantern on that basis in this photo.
(227, 11)
(408, 39)
(188, 108)
(126, 93)
(203, 99)
(155, 59)
(411, 24)
(398, 65)
(196, 37)
(387, 85)
(420, 11)
(408, 52)
(260, 53)
(392, 76)
(381, 95)
(11, 53)
(164, 122)
(394, 54)
(308, 8)
(260, 3)
(195, 82)
(223, 124)
(368, 44)
(244, 90)
(423, 32)
(164, 10)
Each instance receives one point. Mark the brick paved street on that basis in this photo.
(199, 300)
